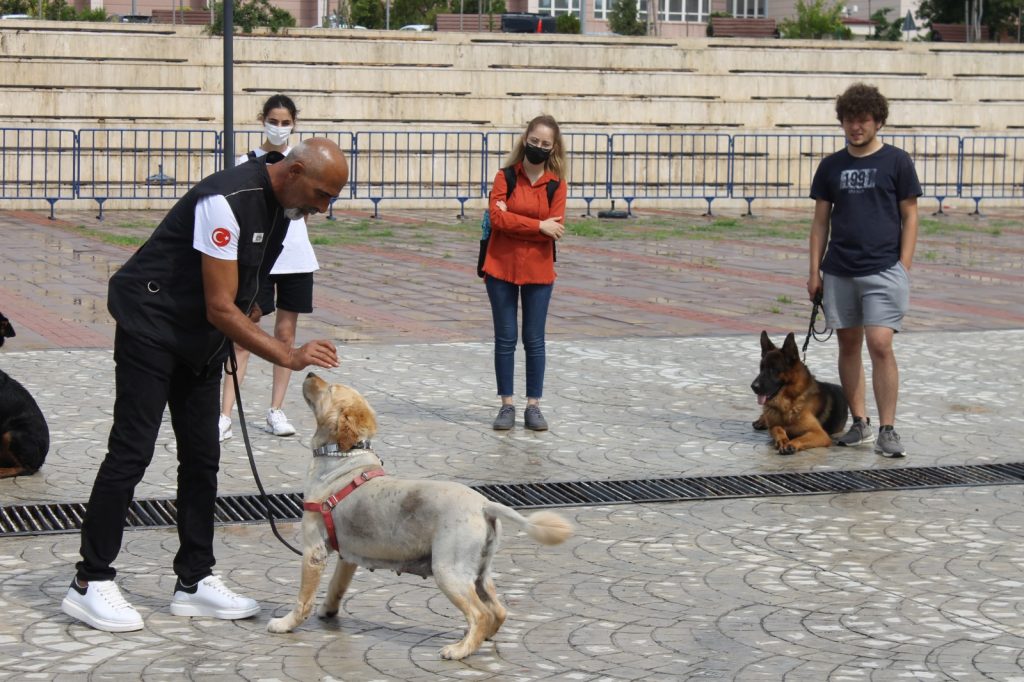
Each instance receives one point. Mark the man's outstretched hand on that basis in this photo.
(320, 353)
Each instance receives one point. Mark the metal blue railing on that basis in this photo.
(134, 164)
(38, 163)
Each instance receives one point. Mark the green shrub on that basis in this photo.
(625, 20)
(567, 23)
(250, 14)
(816, 20)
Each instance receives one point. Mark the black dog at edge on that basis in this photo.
(24, 436)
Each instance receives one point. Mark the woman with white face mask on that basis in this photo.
(291, 278)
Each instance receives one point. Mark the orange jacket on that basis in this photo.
(518, 252)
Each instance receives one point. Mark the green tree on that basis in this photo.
(885, 29)
(816, 20)
(368, 13)
(624, 20)
(567, 23)
(249, 14)
(16, 7)
(416, 11)
(474, 6)
(999, 15)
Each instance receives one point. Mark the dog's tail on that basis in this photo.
(546, 527)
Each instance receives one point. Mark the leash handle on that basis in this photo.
(810, 328)
(231, 369)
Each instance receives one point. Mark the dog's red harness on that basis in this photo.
(331, 502)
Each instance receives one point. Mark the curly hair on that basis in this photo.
(860, 100)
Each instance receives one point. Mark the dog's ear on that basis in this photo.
(766, 344)
(789, 348)
(357, 422)
(6, 329)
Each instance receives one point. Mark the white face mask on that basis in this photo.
(277, 135)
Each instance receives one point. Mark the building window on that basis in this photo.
(749, 9)
(686, 10)
(560, 7)
(601, 8)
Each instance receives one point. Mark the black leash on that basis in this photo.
(811, 331)
(231, 369)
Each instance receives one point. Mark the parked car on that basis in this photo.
(15, 16)
(416, 27)
(528, 23)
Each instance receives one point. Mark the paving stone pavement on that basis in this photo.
(652, 346)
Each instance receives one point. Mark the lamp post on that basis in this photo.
(229, 85)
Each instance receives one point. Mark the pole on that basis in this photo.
(387, 15)
(229, 84)
(583, 17)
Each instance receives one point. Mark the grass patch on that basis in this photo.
(110, 238)
(784, 300)
(931, 227)
(351, 233)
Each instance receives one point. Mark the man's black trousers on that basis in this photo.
(148, 379)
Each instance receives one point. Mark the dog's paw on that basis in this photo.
(455, 652)
(760, 424)
(786, 449)
(324, 613)
(280, 625)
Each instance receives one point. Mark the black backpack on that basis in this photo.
(485, 224)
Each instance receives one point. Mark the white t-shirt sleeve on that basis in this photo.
(216, 230)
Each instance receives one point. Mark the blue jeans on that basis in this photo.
(504, 308)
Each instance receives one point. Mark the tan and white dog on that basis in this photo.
(425, 528)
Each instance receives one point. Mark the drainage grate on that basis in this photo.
(37, 519)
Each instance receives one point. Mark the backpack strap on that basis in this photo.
(552, 188)
(510, 181)
(252, 155)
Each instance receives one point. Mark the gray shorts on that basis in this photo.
(879, 300)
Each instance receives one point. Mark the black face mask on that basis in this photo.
(537, 155)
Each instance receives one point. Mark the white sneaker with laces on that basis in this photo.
(211, 598)
(278, 424)
(100, 605)
(225, 427)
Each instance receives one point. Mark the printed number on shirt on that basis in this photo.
(857, 180)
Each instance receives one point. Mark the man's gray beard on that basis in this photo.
(294, 214)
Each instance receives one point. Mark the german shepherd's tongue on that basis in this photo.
(761, 399)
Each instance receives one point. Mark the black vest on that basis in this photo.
(158, 293)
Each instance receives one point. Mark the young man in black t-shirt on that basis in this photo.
(865, 213)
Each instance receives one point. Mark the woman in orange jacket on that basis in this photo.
(520, 261)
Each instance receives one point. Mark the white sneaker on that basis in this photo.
(210, 598)
(100, 605)
(278, 424)
(225, 428)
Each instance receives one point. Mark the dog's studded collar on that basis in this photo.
(333, 450)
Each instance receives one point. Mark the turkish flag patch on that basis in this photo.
(221, 237)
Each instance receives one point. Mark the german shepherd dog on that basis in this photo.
(798, 411)
(24, 436)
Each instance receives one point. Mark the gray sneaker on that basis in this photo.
(506, 418)
(860, 432)
(888, 444)
(533, 419)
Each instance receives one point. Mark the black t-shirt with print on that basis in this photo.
(865, 193)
